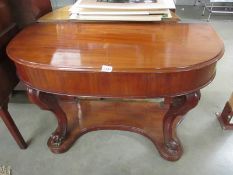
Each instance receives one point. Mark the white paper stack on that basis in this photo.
(130, 10)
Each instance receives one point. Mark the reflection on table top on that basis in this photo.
(148, 47)
(62, 14)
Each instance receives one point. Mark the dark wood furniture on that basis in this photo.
(8, 78)
(226, 116)
(62, 62)
(28, 11)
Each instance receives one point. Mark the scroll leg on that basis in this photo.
(10, 124)
(179, 106)
(50, 102)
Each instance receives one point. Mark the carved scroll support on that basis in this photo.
(76, 118)
(179, 106)
(50, 102)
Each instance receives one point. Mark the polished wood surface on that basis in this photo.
(157, 51)
(63, 14)
(8, 78)
(136, 47)
(60, 63)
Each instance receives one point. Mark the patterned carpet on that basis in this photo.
(5, 170)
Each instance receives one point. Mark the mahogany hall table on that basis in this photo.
(62, 62)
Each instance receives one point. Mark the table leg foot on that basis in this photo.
(50, 102)
(179, 106)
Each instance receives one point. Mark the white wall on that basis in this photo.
(61, 3)
(185, 2)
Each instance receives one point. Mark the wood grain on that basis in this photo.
(158, 59)
(136, 47)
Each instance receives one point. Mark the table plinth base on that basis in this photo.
(156, 121)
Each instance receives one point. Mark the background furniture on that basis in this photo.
(28, 11)
(226, 116)
(218, 7)
(156, 60)
(8, 78)
(14, 15)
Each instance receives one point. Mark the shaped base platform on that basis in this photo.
(156, 121)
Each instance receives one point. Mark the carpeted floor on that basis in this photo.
(5, 170)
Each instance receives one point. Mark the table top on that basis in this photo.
(136, 47)
(56, 15)
(62, 14)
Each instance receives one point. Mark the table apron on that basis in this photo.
(116, 84)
